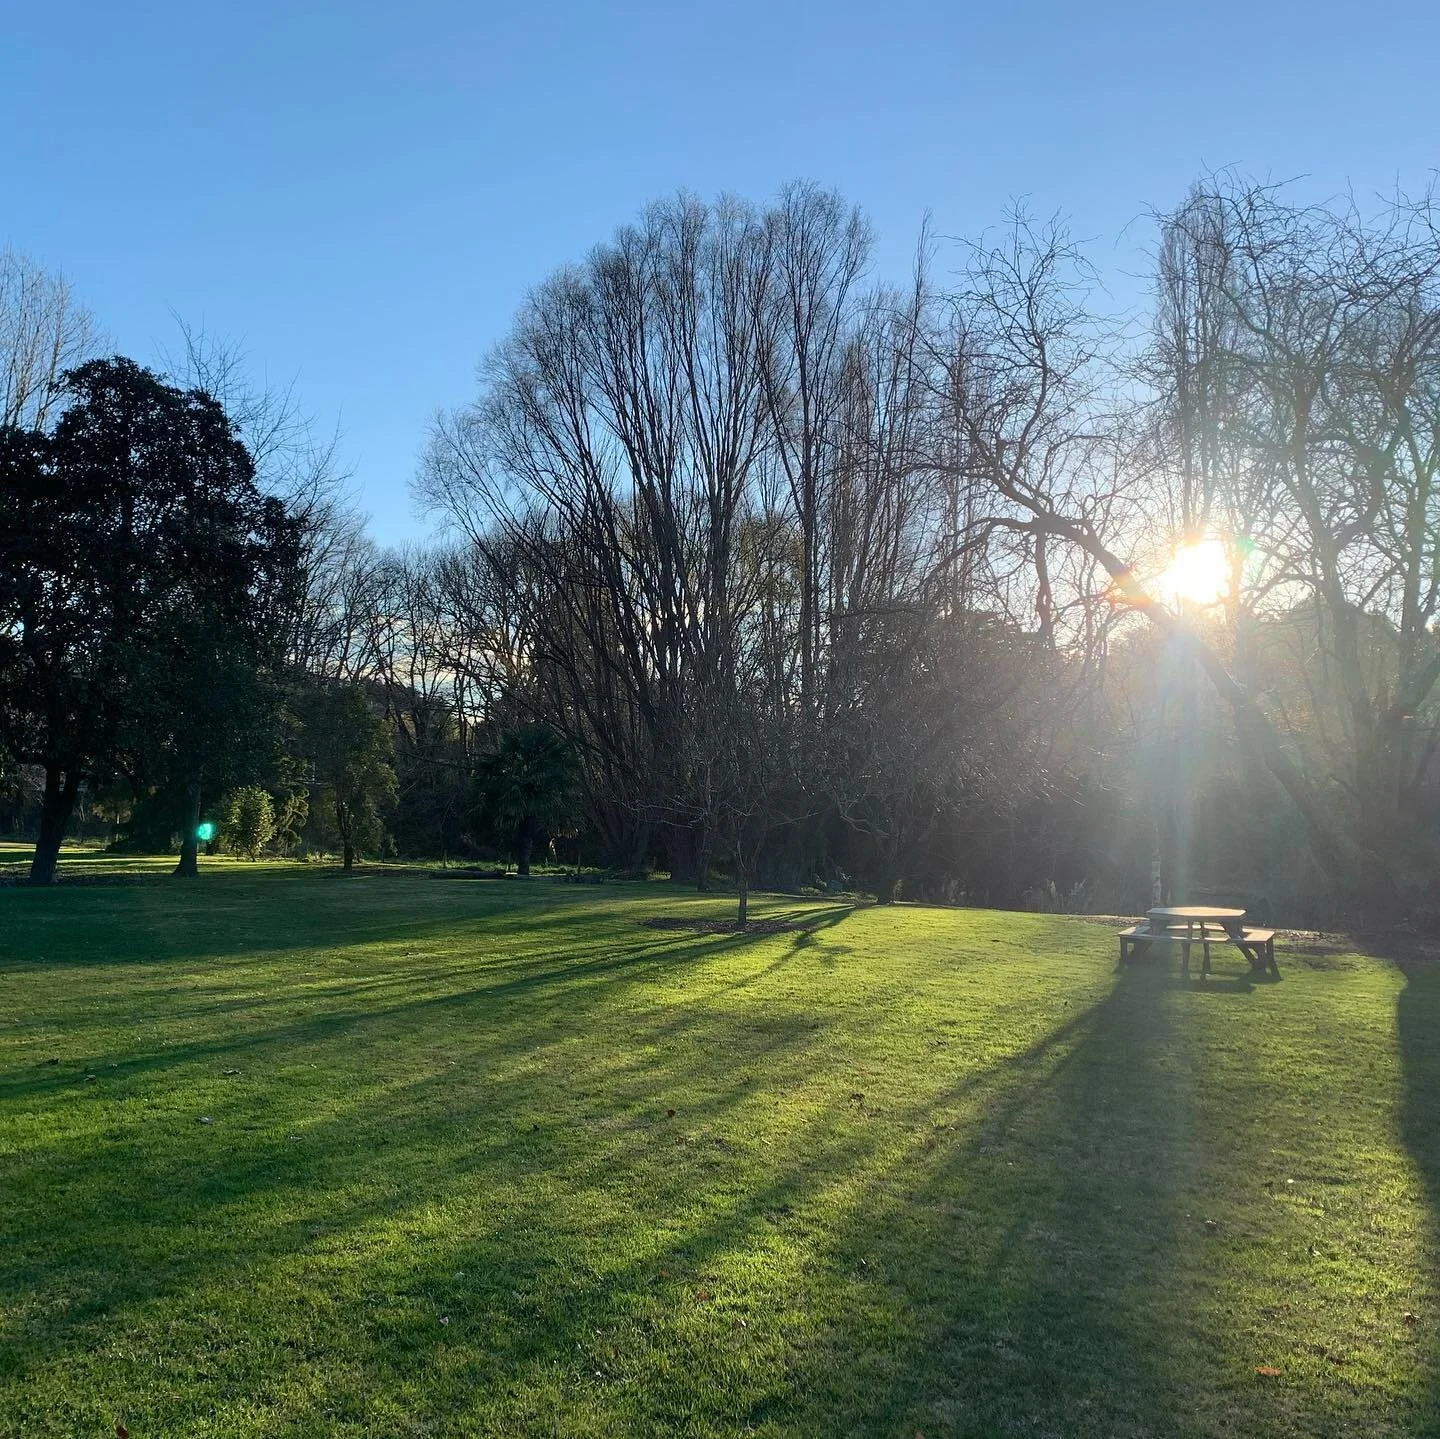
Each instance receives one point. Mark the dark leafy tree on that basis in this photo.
(143, 577)
(351, 749)
(527, 785)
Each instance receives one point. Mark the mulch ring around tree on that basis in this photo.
(725, 926)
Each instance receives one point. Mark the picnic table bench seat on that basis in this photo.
(1257, 945)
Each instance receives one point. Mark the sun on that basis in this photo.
(1199, 572)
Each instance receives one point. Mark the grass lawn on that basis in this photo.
(15, 861)
(283, 1153)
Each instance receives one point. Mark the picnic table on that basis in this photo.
(1185, 925)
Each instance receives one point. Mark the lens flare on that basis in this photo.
(205, 832)
(1199, 572)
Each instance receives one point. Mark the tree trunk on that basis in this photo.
(680, 853)
(639, 847)
(342, 824)
(55, 811)
(524, 842)
(742, 881)
(1386, 802)
(888, 870)
(808, 596)
(189, 866)
(702, 859)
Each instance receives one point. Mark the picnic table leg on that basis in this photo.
(1205, 964)
(1185, 959)
(1270, 956)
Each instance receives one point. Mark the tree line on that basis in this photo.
(754, 570)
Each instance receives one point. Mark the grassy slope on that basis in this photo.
(935, 1171)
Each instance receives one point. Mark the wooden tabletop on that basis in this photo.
(1197, 912)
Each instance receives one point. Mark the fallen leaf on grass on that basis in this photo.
(1268, 1370)
(121, 1432)
(1408, 1318)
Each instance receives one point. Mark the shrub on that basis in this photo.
(248, 824)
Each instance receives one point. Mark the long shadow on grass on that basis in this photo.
(998, 1257)
(231, 915)
(1019, 1265)
(1418, 1024)
(80, 1215)
(985, 1257)
(371, 1002)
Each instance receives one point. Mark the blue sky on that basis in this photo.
(362, 192)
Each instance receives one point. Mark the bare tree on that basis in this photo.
(815, 248)
(1307, 362)
(43, 333)
(903, 533)
(615, 451)
(301, 465)
(1335, 362)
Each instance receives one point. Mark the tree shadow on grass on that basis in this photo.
(231, 914)
(584, 976)
(962, 1268)
(1037, 1259)
(1046, 1268)
(1418, 1027)
(85, 1270)
(996, 1258)
(1020, 1252)
(999, 1246)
